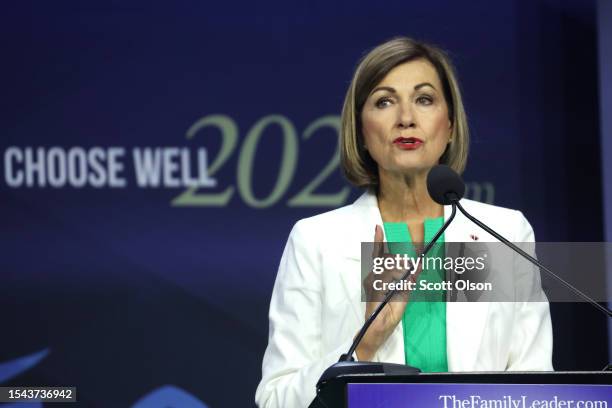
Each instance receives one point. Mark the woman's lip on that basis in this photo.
(409, 146)
(402, 139)
(414, 143)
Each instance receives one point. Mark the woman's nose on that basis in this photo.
(406, 116)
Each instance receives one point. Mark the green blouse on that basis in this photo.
(424, 321)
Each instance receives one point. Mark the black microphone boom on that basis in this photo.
(445, 185)
(534, 261)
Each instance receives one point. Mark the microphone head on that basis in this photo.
(444, 185)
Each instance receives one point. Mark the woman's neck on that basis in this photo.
(406, 199)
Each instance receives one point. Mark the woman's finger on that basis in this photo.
(379, 245)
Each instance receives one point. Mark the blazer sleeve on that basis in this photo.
(293, 360)
(531, 343)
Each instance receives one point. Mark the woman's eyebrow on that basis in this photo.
(392, 90)
(384, 88)
(423, 84)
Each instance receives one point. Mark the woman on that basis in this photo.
(402, 115)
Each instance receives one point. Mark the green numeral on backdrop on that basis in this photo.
(306, 197)
(229, 137)
(288, 163)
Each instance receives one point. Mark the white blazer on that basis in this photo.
(316, 306)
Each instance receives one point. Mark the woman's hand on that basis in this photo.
(391, 314)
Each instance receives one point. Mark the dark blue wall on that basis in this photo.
(604, 23)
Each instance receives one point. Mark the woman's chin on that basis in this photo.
(415, 167)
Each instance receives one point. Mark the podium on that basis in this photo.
(345, 385)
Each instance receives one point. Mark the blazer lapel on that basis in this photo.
(360, 228)
(465, 321)
(365, 216)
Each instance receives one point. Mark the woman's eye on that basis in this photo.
(424, 100)
(383, 102)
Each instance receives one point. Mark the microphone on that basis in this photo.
(447, 187)
(444, 185)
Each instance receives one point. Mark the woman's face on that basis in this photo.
(405, 120)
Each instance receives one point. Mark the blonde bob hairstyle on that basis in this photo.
(359, 167)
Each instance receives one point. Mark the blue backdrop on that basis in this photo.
(122, 279)
(604, 11)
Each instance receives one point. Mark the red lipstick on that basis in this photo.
(408, 143)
